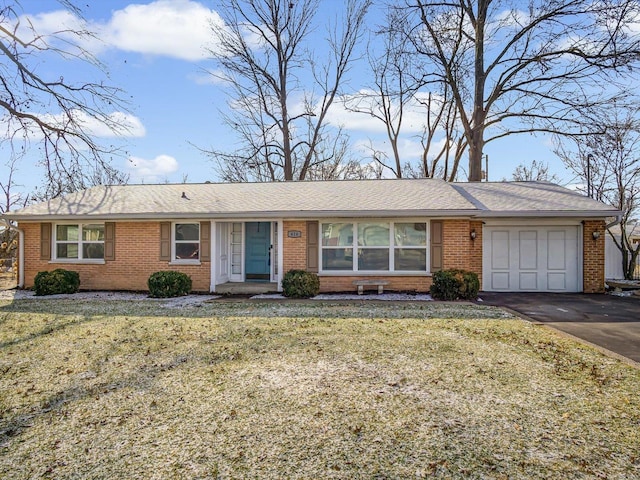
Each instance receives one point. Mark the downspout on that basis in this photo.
(8, 225)
(615, 222)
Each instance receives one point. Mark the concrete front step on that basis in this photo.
(246, 288)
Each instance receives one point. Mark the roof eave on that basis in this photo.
(242, 215)
(433, 213)
(551, 213)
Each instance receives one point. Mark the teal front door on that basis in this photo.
(257, 265)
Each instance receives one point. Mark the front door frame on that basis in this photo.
(276, 252)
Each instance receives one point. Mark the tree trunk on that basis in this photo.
(476, 146)
(476, 142)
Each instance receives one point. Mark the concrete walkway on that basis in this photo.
(608, 321)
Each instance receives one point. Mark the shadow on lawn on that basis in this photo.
(81, 386)
(141, 380)
(233, 308)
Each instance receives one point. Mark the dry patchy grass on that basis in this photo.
(250, 390)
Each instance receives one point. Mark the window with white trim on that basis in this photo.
(186, 238)
(372, 246)
(79, 241)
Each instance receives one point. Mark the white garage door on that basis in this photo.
(531, 259)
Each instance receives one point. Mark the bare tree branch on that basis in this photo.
(265, 58)
(608, 163)
(56, 114)
(539, 65)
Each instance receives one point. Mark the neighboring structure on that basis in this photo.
(517, 236)
(613, 255)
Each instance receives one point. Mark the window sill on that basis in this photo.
(72, 261)
(381, 273)
(185, 262)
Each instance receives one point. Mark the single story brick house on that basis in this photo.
(517, 236)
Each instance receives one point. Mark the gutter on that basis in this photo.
(271, 214)
(318, 214)
(7, 224)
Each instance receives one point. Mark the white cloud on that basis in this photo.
(174, 28)
(208, 77)
(413, 116)
(152, 170)
(118, 124)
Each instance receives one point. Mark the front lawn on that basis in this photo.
(305, 390)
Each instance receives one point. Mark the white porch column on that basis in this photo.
(280, 253)
(213, 255)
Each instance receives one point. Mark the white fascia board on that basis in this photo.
(440, 213)
(248, 215)
(551, 214)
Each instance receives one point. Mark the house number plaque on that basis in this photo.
(294, 234)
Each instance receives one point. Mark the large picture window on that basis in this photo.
(79, 241)
(187, 241)
(370, 246)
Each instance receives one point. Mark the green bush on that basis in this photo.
(300, 284)
(56, 281)
(165, 284)
(455, 285)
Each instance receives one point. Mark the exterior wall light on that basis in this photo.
(473, 235)
(595, 235)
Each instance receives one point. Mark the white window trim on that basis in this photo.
(80, 242)
(185, 261)
(392, 248)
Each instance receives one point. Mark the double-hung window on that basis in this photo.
(83, 241)
(186, 241)
(373, 246)
(410, 246)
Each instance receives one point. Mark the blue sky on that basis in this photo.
(155, 52)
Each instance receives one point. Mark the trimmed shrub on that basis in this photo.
(455, 284)
(165, 284)
(56, 281)
(300, 284)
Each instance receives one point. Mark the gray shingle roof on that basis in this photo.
(406, 197)
(501, 198)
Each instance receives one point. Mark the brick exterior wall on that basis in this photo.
(396, 283)
(138, 248)
(593, 256)
(137, 257)
(459, 250)
(294, 249)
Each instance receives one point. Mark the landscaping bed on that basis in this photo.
(113, 389)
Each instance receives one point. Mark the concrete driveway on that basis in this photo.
(608, 321)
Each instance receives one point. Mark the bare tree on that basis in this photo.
(398, 88)
(268, 64)
(10, 197)
(340, 163)
(56, 113)
(68, 181)
(534, 172)
(608, 164)
(515, 68)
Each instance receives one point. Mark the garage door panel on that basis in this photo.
(557, 254)
(500, 281)
(500, 254)
(528, 250)
(557, 281)
(528, 281)
(531, 259)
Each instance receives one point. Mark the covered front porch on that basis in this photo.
(247, 256)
